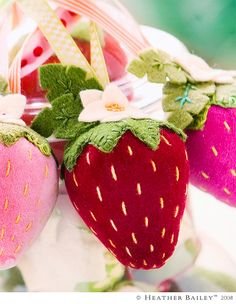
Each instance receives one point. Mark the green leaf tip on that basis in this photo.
(105, 137)
(158, 67)
(59, 80)
(11, 133)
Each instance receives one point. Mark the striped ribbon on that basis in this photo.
(89, 9)
(61, 42)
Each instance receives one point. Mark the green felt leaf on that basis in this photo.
(58, 80)
(11, 133)
(158, 67)
(105, 137)
(62, 119)
(44, 123)
(188, 104)
(225, 95)
(181, 119)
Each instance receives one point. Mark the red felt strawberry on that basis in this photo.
(133, 198)
(129, 190)
(29, 182)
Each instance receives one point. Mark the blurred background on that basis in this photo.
(208, 27)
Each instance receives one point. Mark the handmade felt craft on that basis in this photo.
(29, 182)
(202, 101)
(125, 173)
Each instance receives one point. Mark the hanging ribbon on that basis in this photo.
(61, 42)
(89, 9)
(97, 58)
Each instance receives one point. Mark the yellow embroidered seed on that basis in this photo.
(154, 168)
(154, 266)
(8, 168)
(2, 234)
(28, 227)
(17, 248)
(132, 265)
(163, 256)
(227, 191)
(186, 154)
(172, 239)
(6, 203)
(113, 173)
(227, 126)
(93, 230)
(165, 140)
(113, 225)
(46, 171)
(93, 216)
(18, 218)
(146, 221)
(12, 238)
(26, 189)
(88, 158)
(124, 210)
(145, 263)
(112, 244)
(151, 248)
(134, 238)
(162, 202)
(215, 152)
(128, 251)
(130, 151)
(75, 180)
(112, 252)
(233, 172)
(1, 251)
(163, 232)
(176, 211)
(99, 193)
(177, 173)
(139, 190)
(205, 175)
(30, 154)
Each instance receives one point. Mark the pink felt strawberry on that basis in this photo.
(127, 178)
(212, 153)
(202, 101)
(29, 182)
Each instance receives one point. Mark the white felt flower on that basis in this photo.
(201, 71)
(110, 105)
(11, 108)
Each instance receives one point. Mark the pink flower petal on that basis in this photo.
(113, 94)
(89, 96)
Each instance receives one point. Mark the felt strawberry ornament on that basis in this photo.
(125, 173)
(202, 101)
(29, 182)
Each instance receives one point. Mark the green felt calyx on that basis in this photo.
(63, 85)
(105, 137)
(158, 67)
(11, 133)
(186, 100)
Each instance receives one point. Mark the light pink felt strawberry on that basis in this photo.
(29, 183)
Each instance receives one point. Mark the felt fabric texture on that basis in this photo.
(133, 198)
(212, 154)
(28, 192)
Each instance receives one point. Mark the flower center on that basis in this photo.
(114, 107)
